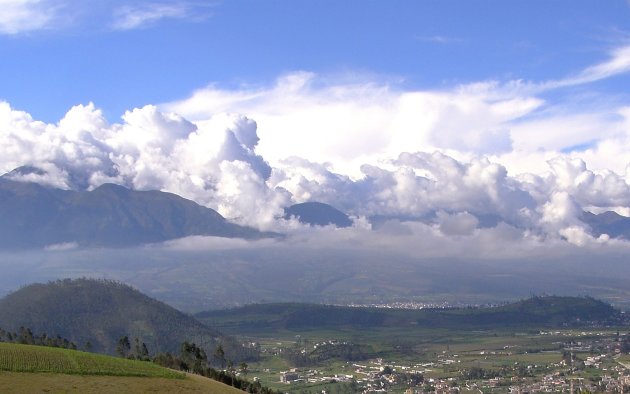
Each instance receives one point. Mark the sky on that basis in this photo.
(442, 113)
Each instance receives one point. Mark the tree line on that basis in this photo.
(25, 336)
(194, 359)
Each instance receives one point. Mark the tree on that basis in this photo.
(388, 370)
(136, 348)
(144, 352)
(219, 355)
(243, 368)
(123, 347)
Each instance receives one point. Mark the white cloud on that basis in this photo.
(137, 16)
(62, 247)
(22, 16)
(350, 123)
(618, 63)
(438, 39)
(216, 162)
(18, 16)
(461, 223)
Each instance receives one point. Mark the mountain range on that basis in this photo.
(39, 216)
(36, 216)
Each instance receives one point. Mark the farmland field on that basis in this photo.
(28, 358)
(526, 355)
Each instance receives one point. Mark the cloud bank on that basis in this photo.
(462, 159)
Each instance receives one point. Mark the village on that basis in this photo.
(593, 361)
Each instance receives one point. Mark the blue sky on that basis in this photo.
(84, 53)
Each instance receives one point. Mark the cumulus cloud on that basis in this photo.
(349, 122)
(216, 162)
(212, 162)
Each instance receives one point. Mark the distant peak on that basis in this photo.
(317, 214)
(23, 171)
(111, 187)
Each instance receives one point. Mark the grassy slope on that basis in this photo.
(16, 382)
(28, 358)
(27, 369)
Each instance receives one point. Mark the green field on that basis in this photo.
(30, 369)
(28, 358)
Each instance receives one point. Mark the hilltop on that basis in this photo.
(100, 312)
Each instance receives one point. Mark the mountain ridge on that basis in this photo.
(548, 311)
(37, 216)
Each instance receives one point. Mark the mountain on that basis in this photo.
(317, 214)
(35, 216)
(101, 312)
(551, 311)
(611, 223)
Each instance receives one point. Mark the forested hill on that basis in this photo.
(552, 311)
(101, 312)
